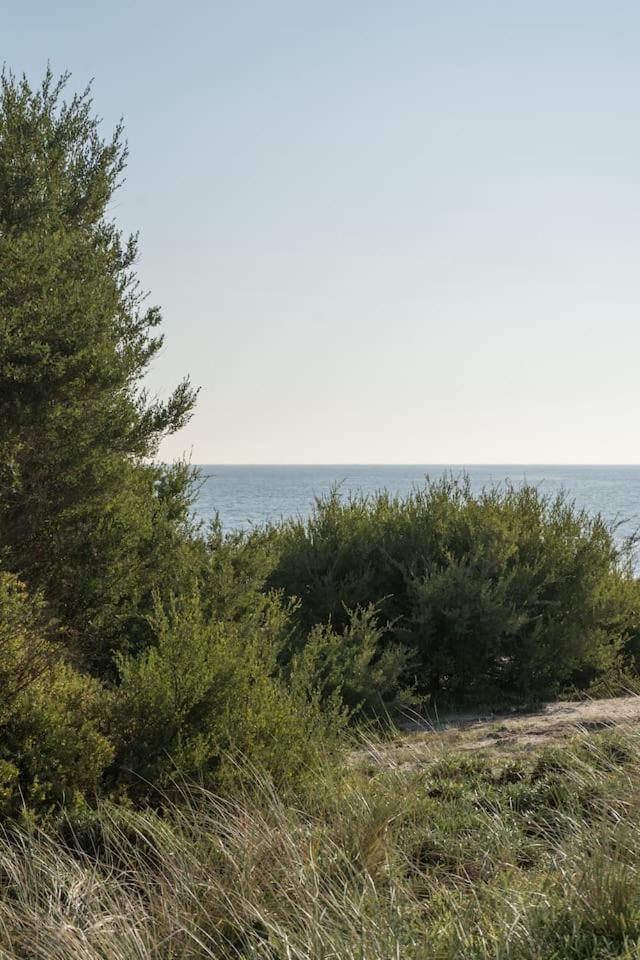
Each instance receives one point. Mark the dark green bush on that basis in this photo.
(84, 516)
(502, 595)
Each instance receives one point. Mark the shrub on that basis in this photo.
(206, 699)
(354, 667)
(52, 748)
(56, 738)
(505, 594)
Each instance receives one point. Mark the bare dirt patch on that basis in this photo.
(553, 723)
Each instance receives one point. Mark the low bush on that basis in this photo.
(209, 692)
(53, 749)
(498, 596)
(355, 667)
(57, 738)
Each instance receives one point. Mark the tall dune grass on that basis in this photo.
(461, 857)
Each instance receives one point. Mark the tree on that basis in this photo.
(84, 517)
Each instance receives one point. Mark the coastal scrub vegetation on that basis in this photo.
(142, 654)
(461, 858)
(491, 598)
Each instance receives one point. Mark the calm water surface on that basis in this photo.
(244, 496)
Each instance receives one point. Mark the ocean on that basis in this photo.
(245, 496)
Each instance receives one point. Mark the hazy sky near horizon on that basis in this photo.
(379, 232)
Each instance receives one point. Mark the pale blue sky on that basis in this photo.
(379, 232)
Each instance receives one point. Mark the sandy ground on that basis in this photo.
(522, 732)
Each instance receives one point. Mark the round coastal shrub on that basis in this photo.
(506, 594)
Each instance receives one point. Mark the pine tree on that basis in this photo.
(83, 514)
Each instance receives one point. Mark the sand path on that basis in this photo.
(513, 732)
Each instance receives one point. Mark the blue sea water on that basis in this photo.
(245, 496)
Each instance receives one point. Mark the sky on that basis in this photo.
(379, 232)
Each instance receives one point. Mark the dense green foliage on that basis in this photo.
(505, 595)
(53, 748)
(210, 689)
(133, 647)
(81, 514)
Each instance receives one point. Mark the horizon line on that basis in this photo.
(363, 463)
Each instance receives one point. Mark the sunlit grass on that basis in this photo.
(468, 857)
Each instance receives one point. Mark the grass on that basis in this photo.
(474, 856)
